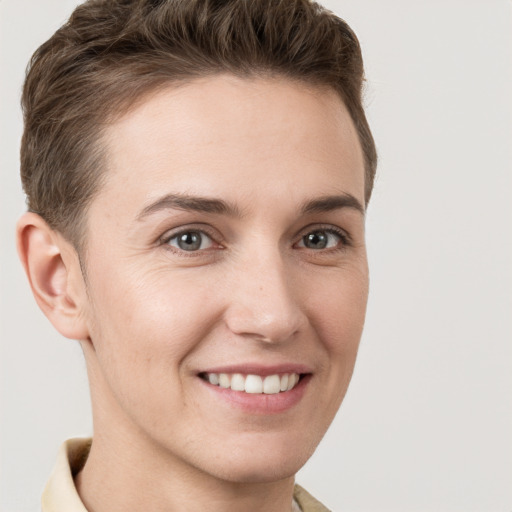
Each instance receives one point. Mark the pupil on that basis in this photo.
(189, 241)
(316, 240)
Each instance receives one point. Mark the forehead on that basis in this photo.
(250, 134)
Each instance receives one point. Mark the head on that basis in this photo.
(197, 174)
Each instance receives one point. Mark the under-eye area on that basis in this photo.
(254, 384)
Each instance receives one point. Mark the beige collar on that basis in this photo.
(60, 494)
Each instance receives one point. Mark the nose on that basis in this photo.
(265, 301)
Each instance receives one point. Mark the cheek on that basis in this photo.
(340, 309)
(143, 330)
(339, 322)
(144, 325)
(337, 311)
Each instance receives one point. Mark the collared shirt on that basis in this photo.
(60, 494)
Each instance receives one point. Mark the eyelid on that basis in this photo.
(217, 239)
(346, 239)
(204, 229)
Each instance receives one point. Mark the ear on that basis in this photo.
(53, 270)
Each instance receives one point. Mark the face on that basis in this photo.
(227, 275)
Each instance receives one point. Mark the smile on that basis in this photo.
(254, 384)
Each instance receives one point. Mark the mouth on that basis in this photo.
(257, 389)
(254, 384)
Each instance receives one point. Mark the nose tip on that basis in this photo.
(274, 327)
(265, 308)
(268, 327)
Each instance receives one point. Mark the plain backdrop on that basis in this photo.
(427, 422)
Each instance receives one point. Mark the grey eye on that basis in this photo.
(320, 239)
(191, 241)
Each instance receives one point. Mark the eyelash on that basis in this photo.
(345, 239)
(168, 237)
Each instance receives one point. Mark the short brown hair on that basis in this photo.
(111, 52)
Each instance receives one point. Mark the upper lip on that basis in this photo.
(259, 369)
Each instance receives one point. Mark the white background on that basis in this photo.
(427, 422)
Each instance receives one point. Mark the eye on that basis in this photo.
(190, 241)
(322, 239)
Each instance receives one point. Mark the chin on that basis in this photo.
(258, 473)
(262, 462)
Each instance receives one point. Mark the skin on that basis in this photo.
(151, 316)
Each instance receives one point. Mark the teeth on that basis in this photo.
(292, 380)
(272, 385)
(238, 382)
(254, 384)
(213, 378)
(224, 380)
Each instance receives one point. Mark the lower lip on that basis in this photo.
(260, 403)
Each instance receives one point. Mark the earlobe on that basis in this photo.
(53, 271)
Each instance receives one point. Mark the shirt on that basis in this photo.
(60, 494)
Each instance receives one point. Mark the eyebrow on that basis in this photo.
(190, 203)
(218, 206)
(330, 203)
